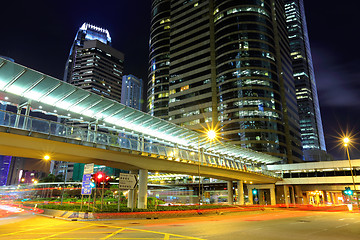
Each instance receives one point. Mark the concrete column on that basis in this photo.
(142, 198)
(299, 193)
(132, 196)
(332, 197)
(240, 190)
(272, 196)
(261, 195)
(130, 203)
(292, 195)
(286, 193)
(250, 195)
(230, 192)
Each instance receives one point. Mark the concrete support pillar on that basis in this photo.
(250, 195)
(130, 203)
(292, 195)
(299, 194)
(286, 194)
(143, 180)
(272, 196)
(240, 192)
(332, 196)
(132, 196)
(325, 199)
(261, 196)
(230, 192)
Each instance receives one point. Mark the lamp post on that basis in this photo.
(63, 188)
(210, 136)
(346, 141)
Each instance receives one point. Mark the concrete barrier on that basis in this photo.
(68, 214)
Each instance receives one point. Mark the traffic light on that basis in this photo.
(107, 182)
(92, 181)
(99, 178)
(254, 191)
(348, 191)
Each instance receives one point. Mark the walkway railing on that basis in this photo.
(126, 141)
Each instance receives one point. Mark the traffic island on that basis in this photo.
(147, 214)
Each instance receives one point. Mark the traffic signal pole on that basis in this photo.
(102, 194)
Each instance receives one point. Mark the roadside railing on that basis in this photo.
(116, 138)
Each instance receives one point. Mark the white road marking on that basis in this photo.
(342, 225)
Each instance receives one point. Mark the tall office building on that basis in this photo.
(131, 91)
(306, 93)
(228, 63)
(93, 64)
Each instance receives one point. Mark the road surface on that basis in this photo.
(257, 225)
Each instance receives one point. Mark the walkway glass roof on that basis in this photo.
(19, 85)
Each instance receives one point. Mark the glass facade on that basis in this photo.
(309, 112)
(93, 64)
(131, 91)
(159, 60)
(228, 65)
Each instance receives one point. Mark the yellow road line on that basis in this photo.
(149, 231)
(114, 233)
(64, 232)
(162, 233)
(28, 230)
(167, 236)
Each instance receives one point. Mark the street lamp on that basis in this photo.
(210, 136)
(346, 141)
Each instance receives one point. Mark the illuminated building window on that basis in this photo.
(184, 88)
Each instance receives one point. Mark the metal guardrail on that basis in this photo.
(124, 141)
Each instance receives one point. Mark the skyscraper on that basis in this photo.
(306, 94)
(93, 64)
(131, 91)
(225, 63)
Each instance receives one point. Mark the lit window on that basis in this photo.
(183, 88)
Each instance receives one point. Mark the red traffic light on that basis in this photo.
(99, 176)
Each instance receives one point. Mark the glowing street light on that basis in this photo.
(347, 142)
(211, 136)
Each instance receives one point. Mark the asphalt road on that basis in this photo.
(269, 224)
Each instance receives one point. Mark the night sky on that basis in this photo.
(39, 34)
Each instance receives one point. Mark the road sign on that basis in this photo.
(127, 181)
(89, 168)
(86, 188)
